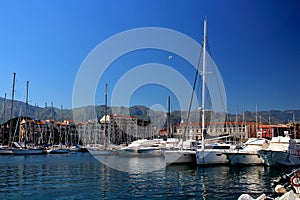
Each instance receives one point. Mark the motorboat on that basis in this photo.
(282, 150)
(248, 154)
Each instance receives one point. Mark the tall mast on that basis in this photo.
(11, 110)
(26, 112)
(169, 118)
(105, 122)
(203, 85)
(3, 118)
(256, 121)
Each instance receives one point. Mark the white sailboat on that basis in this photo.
(209, 153)
(181, 152)
(104, 149)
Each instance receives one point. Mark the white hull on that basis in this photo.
(211, 157)
(275, 158)
(150, 151)
(282, 151)
(28, 151)
(139, 152)
(249, 154)
(180, 157)
(101, 152)
(244, 158)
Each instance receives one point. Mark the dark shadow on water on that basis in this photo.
(179, 168)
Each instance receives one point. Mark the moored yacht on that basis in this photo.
(142, 147)
(248, 155)
(282, 151)
(183, 154)
(213, 154)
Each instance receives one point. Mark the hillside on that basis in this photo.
(144, 113)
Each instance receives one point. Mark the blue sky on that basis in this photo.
(255, 44)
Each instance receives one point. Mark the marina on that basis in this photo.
(147, 100)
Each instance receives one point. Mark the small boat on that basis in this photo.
(248, 155)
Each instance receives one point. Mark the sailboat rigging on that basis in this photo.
(106, 148)
(27, 150)
(209, 153)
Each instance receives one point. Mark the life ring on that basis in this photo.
(295, 181)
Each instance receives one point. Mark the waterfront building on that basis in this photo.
(121, 129)
(239, 131)
(40, 131)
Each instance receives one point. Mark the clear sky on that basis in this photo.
(254, 43)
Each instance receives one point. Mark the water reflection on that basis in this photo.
(81, 176)
(132, 164)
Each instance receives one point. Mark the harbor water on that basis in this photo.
(81, 176)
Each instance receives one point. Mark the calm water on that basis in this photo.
(81, 176)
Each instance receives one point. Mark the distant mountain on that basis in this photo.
(143, 113)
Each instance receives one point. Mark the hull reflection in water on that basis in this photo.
(132, 164)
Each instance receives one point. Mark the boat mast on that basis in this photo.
(11, 110)
(256, 121)
(105, 122)
(3, 118)
(203, 86)
(169, 119)
(26, 113)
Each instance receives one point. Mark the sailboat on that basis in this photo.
(105, 148)
(209, 153)
(58, 149)
(4, 149)
(185, 152)
(26, 149)
(7, 150)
